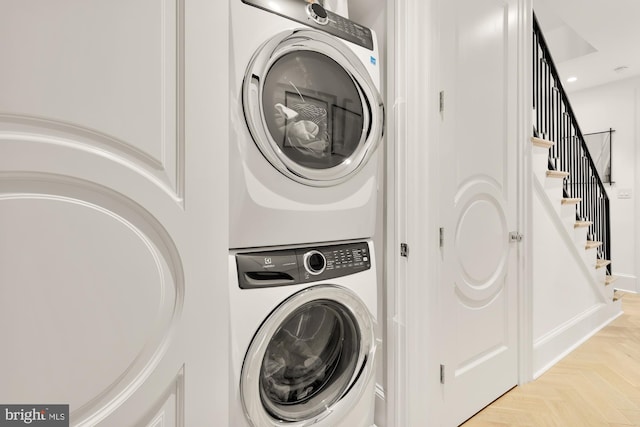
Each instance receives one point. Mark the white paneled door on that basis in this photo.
(113, 242)
(478, 205)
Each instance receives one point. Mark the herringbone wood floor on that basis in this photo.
(598, 384)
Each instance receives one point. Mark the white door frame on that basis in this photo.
(525, 190)
(411, 383)
(412, 389)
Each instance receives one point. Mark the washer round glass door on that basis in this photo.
(310, 358)
(311, 107)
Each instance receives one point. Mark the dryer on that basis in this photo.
(302, 336)
(307, 118)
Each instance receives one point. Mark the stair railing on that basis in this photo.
(555, 121)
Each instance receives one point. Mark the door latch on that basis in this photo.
(404, 250)
(515, 236)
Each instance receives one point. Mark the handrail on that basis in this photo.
(556, 121)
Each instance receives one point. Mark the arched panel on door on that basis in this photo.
(87, 323)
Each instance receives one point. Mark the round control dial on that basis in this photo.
(314, 262)
(318, 13)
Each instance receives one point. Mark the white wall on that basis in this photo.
(615, 106)
(569, 302)
(561, 283)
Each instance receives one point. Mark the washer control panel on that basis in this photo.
(301, 265)
(316, 16)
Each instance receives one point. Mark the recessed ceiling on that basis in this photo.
(591, 39)
(567, 44)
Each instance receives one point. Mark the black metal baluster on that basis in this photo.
(556, 121)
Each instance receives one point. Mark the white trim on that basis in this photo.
(525, 197)
(391, 338)
(626, 282)
(636, 136)
(418, 360)
(396, 304)
(558, 343)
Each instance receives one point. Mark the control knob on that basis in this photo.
(314, 262)
(318, 13)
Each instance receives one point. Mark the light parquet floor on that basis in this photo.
(596, 385)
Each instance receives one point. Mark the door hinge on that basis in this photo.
(515, 236)
(404, 250)
(441, 374)
(441, 101)
(441, 237)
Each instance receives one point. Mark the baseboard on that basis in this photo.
(626, 282)
(555, 345)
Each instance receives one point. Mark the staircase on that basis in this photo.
(573, 292)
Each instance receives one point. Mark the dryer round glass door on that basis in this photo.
(309, 359)
(311, 107)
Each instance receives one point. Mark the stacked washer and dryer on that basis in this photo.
(307, 118)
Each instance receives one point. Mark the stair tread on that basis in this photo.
(592, 244)
(609, 279)
(602, 263)
(618, 295)
(557, 174)
(580, 224)
(543, 143)
(571, 200)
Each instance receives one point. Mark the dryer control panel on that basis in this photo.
(301, 265)
(316, 16)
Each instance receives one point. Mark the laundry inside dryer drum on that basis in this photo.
(313, 109)
(310, 361)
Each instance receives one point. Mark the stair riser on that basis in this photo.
(568, 215)
(553, 188)
(609, 290)
(580, 236)
(590, 256)
(601, 274)
(540, 163)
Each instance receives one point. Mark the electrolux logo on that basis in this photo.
(34, 415)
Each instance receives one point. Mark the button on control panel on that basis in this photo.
(347, 258)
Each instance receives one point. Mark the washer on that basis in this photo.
(302, 336)
(307, 118)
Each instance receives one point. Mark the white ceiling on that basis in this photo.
(589, 39)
